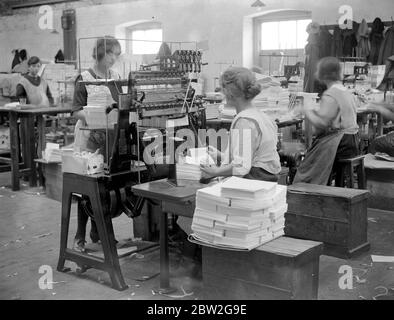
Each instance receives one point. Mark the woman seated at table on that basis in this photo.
(335, 124)
(252, 151)
(32, 87)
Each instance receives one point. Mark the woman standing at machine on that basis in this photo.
(105, 53)
(335, 124)
(251, 156)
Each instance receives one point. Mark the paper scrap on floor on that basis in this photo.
(376, 258)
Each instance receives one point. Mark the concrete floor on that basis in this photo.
(29, 238)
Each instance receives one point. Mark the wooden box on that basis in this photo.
(53, 180)
(335, 216)
(284, 268)
(380, 183)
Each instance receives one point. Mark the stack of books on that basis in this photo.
(239, 213)
(212, 110)
(52, 152)
(188, 168)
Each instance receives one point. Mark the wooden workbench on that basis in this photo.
(27, 114)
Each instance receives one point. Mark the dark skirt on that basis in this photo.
(257, 173)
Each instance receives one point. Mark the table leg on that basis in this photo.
(30, 149)
(41, 135)
(164, 257)
(379, 128)
(14, 141)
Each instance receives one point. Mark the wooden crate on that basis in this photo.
(335, 216)
(284, 268)
(380, 183)
(53, 180)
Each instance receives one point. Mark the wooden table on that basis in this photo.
(27, 114)
(176, 198)
(226, 123)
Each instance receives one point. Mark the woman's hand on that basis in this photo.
(215, 154)
(374, 107)
(208, 171)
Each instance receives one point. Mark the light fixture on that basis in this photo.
(258, 4)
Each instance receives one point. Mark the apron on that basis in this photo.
(86, 140)
(37, 95)
(319, 160)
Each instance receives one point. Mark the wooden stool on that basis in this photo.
(284, 268)
(349, 166)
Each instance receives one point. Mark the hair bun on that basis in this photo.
(252, 90)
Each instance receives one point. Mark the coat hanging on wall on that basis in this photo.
(312, 56)
(387, 47)
(376, 38)
(363, 47)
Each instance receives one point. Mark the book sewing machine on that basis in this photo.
(162, 99)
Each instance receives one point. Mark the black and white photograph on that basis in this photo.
(189, 157)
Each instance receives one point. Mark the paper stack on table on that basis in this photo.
(212, 110)
(52, 152)
(188, 168)
(240, 213)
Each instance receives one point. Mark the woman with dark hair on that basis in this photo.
(32, 87)
(252, 151)
(22, 67)
(105, 53)
(335, 124)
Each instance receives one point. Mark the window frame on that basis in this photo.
(288, 15)
(144, 26)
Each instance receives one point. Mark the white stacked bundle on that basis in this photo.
(272, 97)
(240, 213)
(212, 110)
(188, 168)
(60, 79)
(52, 152)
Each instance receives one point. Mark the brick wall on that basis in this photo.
(221, 22)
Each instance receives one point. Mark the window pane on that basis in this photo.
(269, 35)
(287, 35)
(284, 34)
(145, 47)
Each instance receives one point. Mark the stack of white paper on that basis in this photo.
(240, 213)
(188, 168)
(212, 110)
(52, 152)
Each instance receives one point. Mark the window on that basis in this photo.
(284, 35)
(146, 47)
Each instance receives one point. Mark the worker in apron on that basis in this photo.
(105, 53)
(335, 124)
(32, 87)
